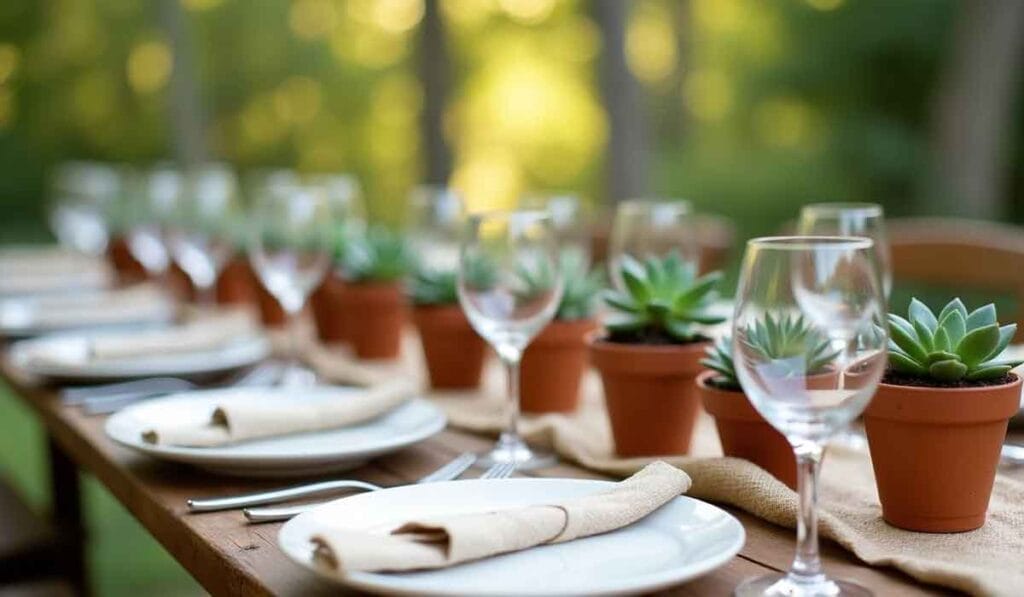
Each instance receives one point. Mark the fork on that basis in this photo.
(447, 472)
(257, 515)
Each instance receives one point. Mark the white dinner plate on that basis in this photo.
(684, 539)
(290, 455)
(48, 270)
(64, 358)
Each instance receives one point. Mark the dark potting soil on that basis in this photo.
(902, 379)
(717, 383)
(650, 337)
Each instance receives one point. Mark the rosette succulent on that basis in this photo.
(791, 342)
(951, 346)
(440, 287)
(378, 256)
(580, 288)
(664, 299)
(719, 360)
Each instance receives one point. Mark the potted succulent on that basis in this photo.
(937, 423)
(554, 362)
(453, 351)
(651, 353)
(327, 300)
(237, 283)
(374, 302)
(742, 431)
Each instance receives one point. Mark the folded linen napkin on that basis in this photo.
(249, 416)
(442, 542)
(41, 282)
(207, 333)
(137, 303)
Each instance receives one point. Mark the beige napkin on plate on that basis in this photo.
(446, 541)
(986, 561)
(136, 303)
(247, 416)
(202, 334)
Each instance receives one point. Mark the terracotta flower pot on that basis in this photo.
(376, 315)
(935, 452)
(236, 284)
(453, 351)
(271, 312)
(127, 267)
(179, 283)
(329, 313)
(744, 433)
(553, 366)
(650, 394)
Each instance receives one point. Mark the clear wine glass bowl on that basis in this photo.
(435, 220)
(809, 345)
(81, 199)
(571, 222)
(290, 247)
(865, 220)
(645, 228)
(509, 287)
(200, 238)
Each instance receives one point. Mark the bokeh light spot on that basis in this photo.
(397, 16)
(708, 94)
(784, 122)
(9, 58)
(530, 12)
(298, 100)
(313, 19)
(149, 66)
(651, 44)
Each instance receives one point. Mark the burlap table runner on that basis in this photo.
(987, 561)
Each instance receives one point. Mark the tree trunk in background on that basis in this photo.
(434, 75)
(974, 111)
(188, 127)
(623, 101)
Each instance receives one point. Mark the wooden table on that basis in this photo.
(229, 557)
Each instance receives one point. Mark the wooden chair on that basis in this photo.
(961, 255)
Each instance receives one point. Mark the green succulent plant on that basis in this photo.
(719, 360)
(580, 287)
(788, 341)
(377, 256)
(663, 298)
(951, 346)
(440, 287)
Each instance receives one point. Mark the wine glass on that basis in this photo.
(809, 390)
(435, 221)
(150, 215)
(82, 198)
(851, 219)
(200, 235)
(571, 222)
(645, 228)
(290, 247)
(509, 286)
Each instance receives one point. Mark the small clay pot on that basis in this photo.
(376, 313)
(453, 351)
(553, 366)
(236, 284)
(179, 283)
(935, 452)
(744, 433)
(271, 312)
(128, 268)
(650, 394)
(329, 314)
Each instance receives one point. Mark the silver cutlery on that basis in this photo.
(153, 385)
(447, 472)
(257, 515)
(262, 375)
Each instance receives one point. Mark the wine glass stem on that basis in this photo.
(807, 564)
(511, 434)
(206, 295)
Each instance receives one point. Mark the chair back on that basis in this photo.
(962, 255)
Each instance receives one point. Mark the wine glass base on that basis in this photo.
(516, 451)
(783, 585)
(297, 376)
